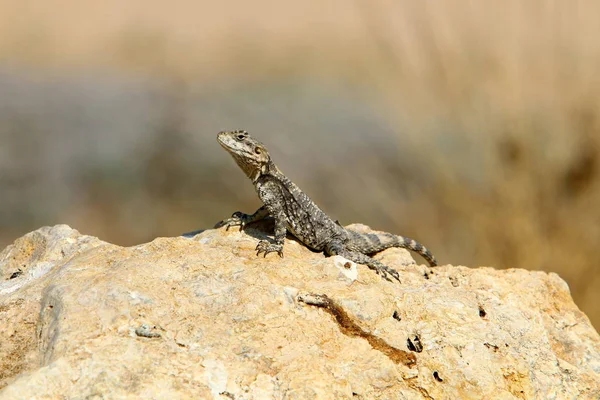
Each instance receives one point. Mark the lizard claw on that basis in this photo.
(386, 272)
(238, 218)
(265, 247)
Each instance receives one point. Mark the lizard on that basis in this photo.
(294, 212)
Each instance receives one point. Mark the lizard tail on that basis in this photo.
(417, 247)
(371, 243)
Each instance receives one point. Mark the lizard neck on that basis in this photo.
(268, 169)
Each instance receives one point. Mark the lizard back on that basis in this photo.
(303, 218)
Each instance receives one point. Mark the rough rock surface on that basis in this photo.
(182, 318)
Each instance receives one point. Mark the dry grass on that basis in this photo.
(499, 103)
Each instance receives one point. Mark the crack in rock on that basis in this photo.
(351, 328)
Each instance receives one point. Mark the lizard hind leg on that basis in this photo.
(337, 248)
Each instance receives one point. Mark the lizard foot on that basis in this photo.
(385, 273)
(266, 248)
(238, 218)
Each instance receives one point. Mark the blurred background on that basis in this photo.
(472, 126)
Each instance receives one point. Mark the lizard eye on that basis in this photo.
(240, 137)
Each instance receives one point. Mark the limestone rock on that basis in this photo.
(203, 317)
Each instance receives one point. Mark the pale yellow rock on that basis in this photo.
(204, 318)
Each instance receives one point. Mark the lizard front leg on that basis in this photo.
(240, 219)
(266, 247)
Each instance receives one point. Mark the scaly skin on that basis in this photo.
(296, 213)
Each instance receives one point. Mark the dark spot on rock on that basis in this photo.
(482, 312)
(414, 344)
(348, 265)
(16, 274)
(491, 346)
(396, 316)
(437, 377)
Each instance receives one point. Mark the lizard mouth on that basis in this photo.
(222, 139)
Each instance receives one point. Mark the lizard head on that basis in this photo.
(250, 154)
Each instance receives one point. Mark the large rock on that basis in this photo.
(183, 318)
